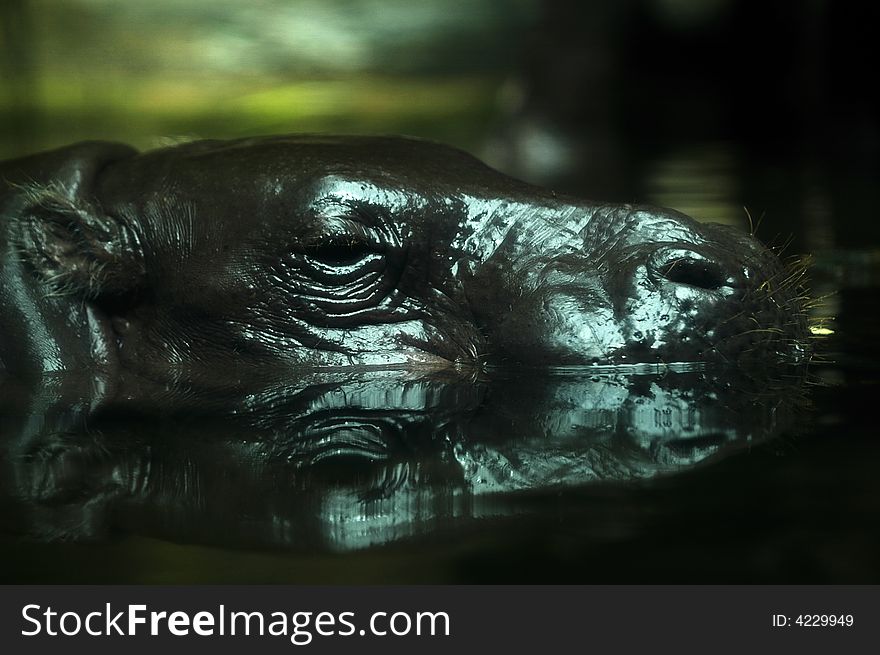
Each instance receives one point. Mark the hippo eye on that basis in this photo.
(344, 268)
(339, 252)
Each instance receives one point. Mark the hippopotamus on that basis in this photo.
(211, 261)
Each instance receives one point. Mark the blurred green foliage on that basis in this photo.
(151, 72)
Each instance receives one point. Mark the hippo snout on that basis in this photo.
(657, 288)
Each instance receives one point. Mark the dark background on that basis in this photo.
(702, 104)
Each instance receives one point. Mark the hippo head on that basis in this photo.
(216, 259)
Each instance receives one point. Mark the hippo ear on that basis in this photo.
(62, 231)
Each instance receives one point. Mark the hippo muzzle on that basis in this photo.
(639, 285)
(215, 261)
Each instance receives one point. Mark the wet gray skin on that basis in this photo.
(215, 264)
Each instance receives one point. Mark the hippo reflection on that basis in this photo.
(210, 263)
(365, 459)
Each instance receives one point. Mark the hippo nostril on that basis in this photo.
(688, 267)
(702, 274)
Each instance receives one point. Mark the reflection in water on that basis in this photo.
(363, 459)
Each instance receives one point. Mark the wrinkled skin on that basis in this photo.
(206, 264)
